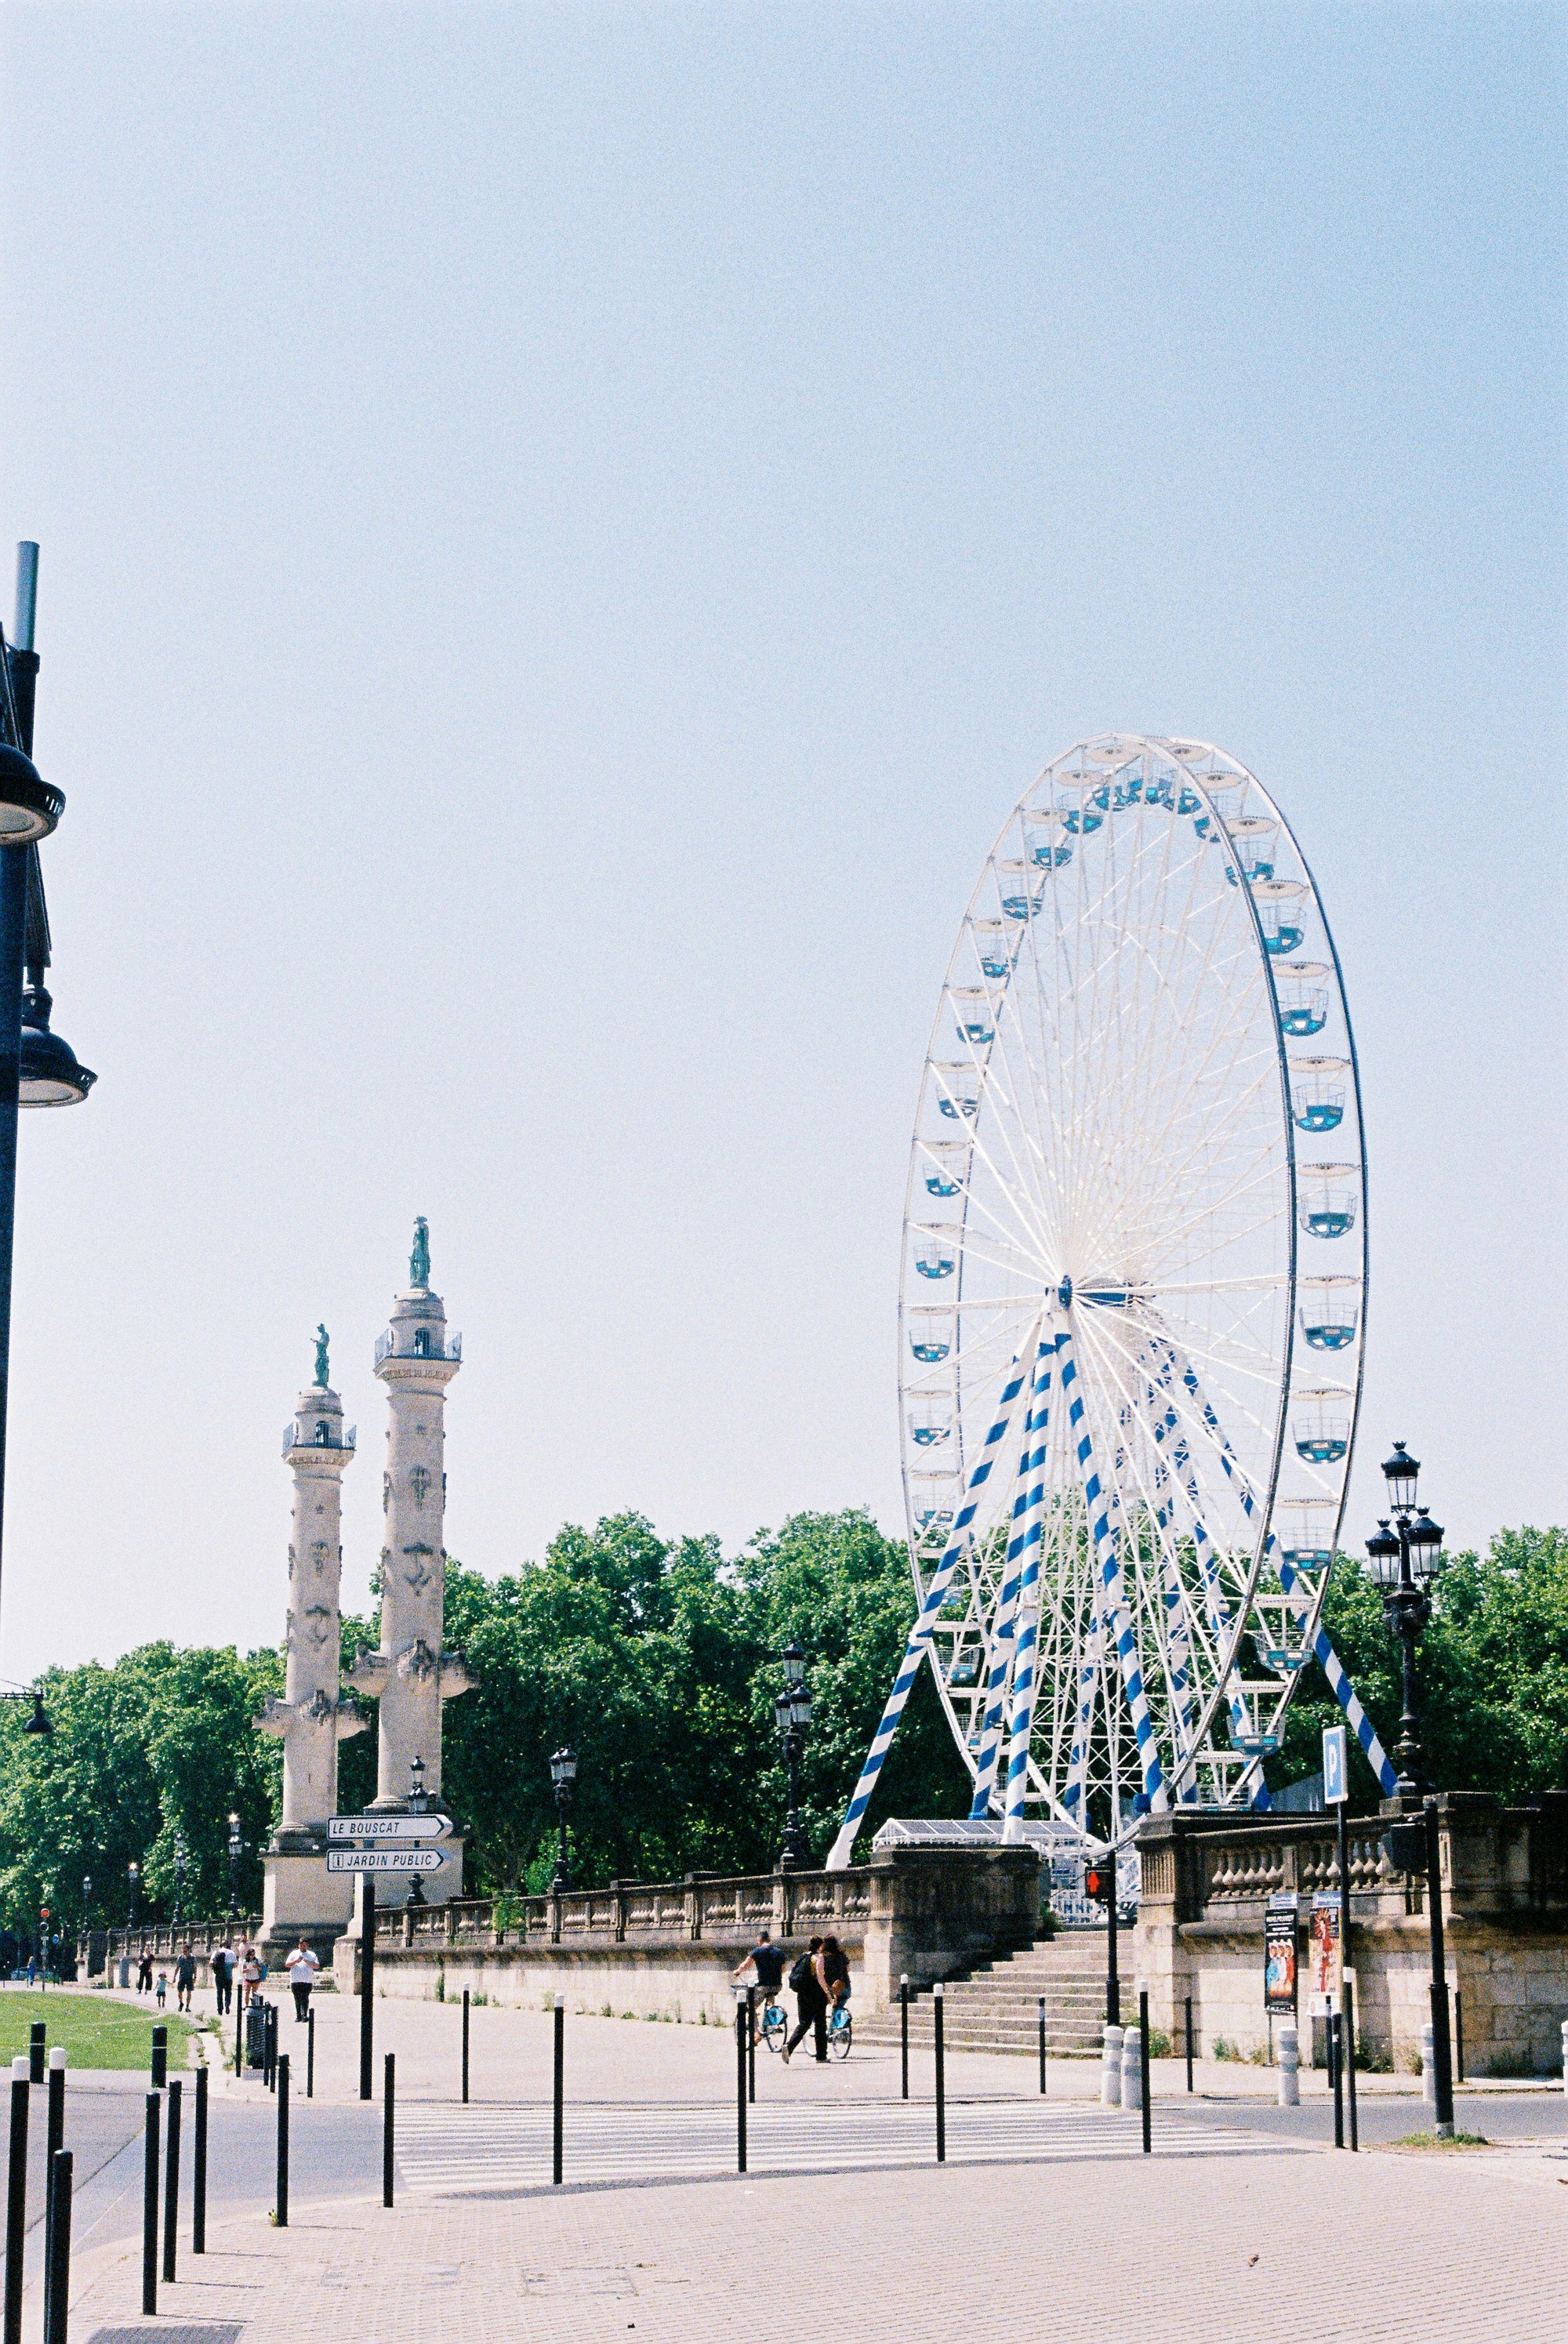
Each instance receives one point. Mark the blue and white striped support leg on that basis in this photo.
(1340, 1684)
(1025, 1673)
(1026, 1535)
(1110, 1580)
(924, 1628)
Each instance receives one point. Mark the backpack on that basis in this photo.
(802, 1973)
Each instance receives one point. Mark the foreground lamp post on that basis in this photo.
(563, 1776)
(1406, 1555)
(235, 1850)
(792, 1712)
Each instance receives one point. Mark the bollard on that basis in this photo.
(58, 2248)
(741, 2033)
(1348, 2036)
(465, 2046)
(1042, 2002)
(239, 2041)
(752, 2043)
(1429, 2069)
(560, 2091)
(1143, 2089)
(149, 2207)
(310, 2055)
(1110, 2067)
(1190, 2042)
(1458, 2036)
(16, 2201)
(388, 2100)
(1565, 2054)
(938, 1998)
(159, 2075)
(904, 2037)
(198, 2169)
(53, 2141)
(366, 1979)
(271, 2054)
(1131, 2077)
(171, 2183)
(1337, 2076)
(280, 2206)
(1289, 2091)
(37, 2045)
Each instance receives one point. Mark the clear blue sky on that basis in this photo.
(564, 532)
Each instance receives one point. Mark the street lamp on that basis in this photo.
(792, 1713)
(235, 1850)
(180, 1860)
(562, 1775)
(1406, 1555)
(418, 1803)
(40, 1070)
(86, 1901)
(135, 1871)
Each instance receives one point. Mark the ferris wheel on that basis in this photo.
(1133, 1301)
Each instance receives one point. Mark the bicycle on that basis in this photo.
(840, 2029)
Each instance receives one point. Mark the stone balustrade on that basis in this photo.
(787, 1904)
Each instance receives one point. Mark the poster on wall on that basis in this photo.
(1279, 1958)
(1326, 1957)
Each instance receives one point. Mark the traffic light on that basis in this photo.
(1099, 1882)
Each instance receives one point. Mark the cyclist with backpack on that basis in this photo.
(763, 1966)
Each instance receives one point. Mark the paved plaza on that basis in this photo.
(1243, 2220)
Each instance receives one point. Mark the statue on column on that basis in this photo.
(419, 1259)
(322, 1358)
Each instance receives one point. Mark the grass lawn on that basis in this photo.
(92, 2031)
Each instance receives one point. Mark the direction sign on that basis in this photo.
(383, 1831)
(1334, 1755)
(384, 1859)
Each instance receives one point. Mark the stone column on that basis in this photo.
(410, 1672)
(310, 1720)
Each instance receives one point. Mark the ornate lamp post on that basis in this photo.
(418, 1805)
(235, 1850)
(1406, 1555)
(792, 1711)
(135, 1871)
(563, 1776)
(180, 1863)
(86, 1901)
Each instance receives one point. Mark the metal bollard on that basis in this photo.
(1337, 2076)
(159, 2076)
(58, 2248)
(741, 2031)
(1458, 2036)
(37, 2045)
(280, 2206)
(53, 2141)
(1110, 2067)
(239, 2041)
(171, 2183)
(560, 2091)
(751, 2042)
(1348, 2038)
(388, 2101)
(310, 2055)
(903, 2033)
(465, 2046)
(1143, 2086)
(149, 2207)
(937, 2003)
(1042, 2001)
(1190, 2042)
(198, 2169)
(1289, 2069)
(1565, 2054)
(16, 2201)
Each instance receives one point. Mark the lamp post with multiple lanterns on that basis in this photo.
(235, 1850)
(1406, 1555)
(563, 1777)
(792, 1712)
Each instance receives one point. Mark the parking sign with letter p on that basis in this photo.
(1334, 1769)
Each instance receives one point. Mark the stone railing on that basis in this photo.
(98, 1949)
(689, 1911)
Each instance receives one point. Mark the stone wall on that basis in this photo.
(667, 1949)
(1206, 1879)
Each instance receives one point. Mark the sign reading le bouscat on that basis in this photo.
(391, 1842)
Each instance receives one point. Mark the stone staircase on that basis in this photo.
(996, 2006)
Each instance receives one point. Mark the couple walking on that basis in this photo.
(818, 1979)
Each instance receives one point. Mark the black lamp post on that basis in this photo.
(1406, 1555)
(791, 1713)
(36, 1069)
(235, 1850)
(86, 1901)
(418, 1805)
(180, 1863)
(135, 1871)
(562, 1775)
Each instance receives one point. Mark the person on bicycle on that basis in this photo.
(764, 1966)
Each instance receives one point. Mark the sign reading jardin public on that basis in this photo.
(389, 1830)
(384, 1859)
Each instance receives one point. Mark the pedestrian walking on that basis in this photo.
(144, 1973)
(810, 2002)
(162, 1986)
(764, 1968)
(223, 1977)
(301, 1967)
(251, 1976)
(832, 1973)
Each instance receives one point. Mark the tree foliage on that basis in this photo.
(658, 1661)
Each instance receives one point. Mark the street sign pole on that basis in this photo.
(367, 1980)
